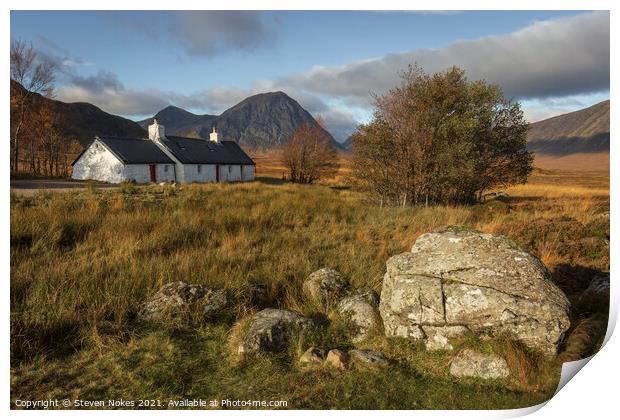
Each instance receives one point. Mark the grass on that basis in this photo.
(82, 264)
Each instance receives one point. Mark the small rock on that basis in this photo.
(313, 355)
(369, 357)
(337, 358)
(438, 337)
(473, 364)
(599, 286)
(272, 329)
(362, 311)
(215, 302)
(178, 300)
(325, 286)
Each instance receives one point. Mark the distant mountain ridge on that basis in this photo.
(83, 121)
(583, 131)
(177, 120)
(263, 121)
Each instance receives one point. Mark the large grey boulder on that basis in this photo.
(181, 301)
(362, 310)
(325, 286)
(271, 330)
(484, 283)
(469, 363)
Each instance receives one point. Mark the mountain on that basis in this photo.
(83, 121)
(178, 121)
(263, 121)
(583, 131)
(347, 144)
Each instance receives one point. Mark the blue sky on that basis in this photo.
(135, 63)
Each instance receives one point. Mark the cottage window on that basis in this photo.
(229, 169)
(165, 168)
(199, 168)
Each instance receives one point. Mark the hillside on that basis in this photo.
(83, 121)
(178, 120)
(583, 131)
(264, 121)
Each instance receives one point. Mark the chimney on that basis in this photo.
(213, 136)
(156, 131)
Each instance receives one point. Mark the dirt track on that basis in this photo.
(32, 186)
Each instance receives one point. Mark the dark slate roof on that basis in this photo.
(130, 150)
(188, 150)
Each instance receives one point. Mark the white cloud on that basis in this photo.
(543, 64)
(548, 58)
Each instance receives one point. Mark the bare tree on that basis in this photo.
(35, 74)
(310, 156)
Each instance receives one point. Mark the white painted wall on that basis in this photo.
(98, 163)
(248, 173)
(141, 173)
(206, 173)
(228, 173)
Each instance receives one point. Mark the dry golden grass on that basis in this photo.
(85, 259)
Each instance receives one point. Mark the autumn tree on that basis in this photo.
(441, 139)
(310, 156)
(35, 75)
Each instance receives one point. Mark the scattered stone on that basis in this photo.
(438, 338)
(484, 282)
(369, 357)
(599, 286)
(325, 286)
(314, 355)
(469, 363)
(361, 310)
(272, 329)
(215, 302)
(181, 301)
(337, 359)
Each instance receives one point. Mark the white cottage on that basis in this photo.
(162, 158)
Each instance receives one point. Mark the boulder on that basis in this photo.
(599, 286)
(314, 355)
(362, 310)
(181, 301)
(469, 363)
(369, 357)
(271, 330)
(483, 283)
(337, 359)
(325, 286)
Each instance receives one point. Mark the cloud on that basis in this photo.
(545, 64)
(59, 55)
(205, 33)
(558, 57)
(107, 92)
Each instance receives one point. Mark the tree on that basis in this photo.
(309, 156)
(441, 139)
(35, 74)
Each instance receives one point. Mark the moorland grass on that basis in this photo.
(82, 264)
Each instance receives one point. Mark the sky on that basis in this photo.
(136, 63)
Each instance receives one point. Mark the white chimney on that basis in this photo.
(156, 131)
(213, 136)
